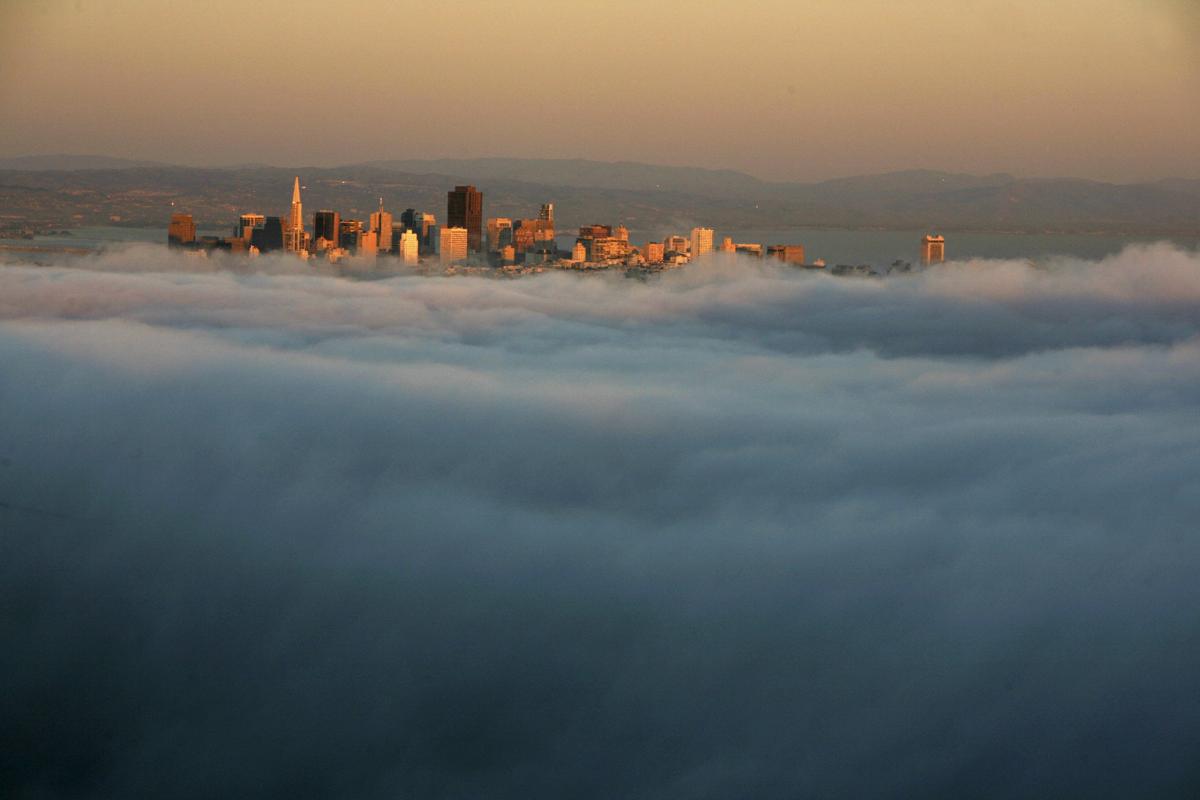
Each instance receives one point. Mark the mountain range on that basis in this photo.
(70, 190)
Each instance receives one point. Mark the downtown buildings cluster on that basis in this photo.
(467, 240)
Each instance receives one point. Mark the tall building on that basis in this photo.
(455, 243)
(464, 209)
(398, 229)
(381, 225)
(269, 237)
(676, 244)
(350, 233)
(421, 222)
(326, 225)
(933, 250)
(499, 234)
(181, 231)
(410, 248)
(547, 213)
(294, 233)
(247, 223)
(701, 242)
(653, 253)
(368, 245)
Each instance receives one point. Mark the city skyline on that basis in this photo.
(1102, 89)
(472, 240)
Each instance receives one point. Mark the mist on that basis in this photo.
(735, 531)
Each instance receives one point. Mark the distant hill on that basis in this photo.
(582, 173)
(646, 198)
(65, 162)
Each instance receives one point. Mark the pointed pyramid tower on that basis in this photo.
(295, 232)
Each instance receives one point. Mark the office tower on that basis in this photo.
(398, 230)
(381, 225)
(464, 209)
(294, 232)
(499, 234)
(269, 237)
(326, 225)
(701, 242)
(181, 231)
(350, 234)
(933, 250)
(408, 218)
(547, 213)
(678, 245)
(653, 253)
(247, 223)
(455, 242)
(427, 229)
(787, 253)
(410, 248)
(368, 244)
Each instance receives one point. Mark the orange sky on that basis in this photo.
(783, 89)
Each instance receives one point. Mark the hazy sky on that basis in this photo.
(780, 88)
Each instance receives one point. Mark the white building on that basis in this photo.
(453, 245)
(410, 248)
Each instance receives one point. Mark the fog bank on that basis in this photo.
(738, 531)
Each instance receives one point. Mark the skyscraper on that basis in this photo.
(381, 224)
(409, 248)
(326, 225)
(269, 237)
(248, 223)
(499, 234)
(701, 242)
(294, 233)
(933, 250)
(464, 209)
(181, 231)
(350, 234)
(454, 245)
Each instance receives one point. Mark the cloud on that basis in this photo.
(738, 531)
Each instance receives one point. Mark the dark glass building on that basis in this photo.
(269, 237)
(326, 225)
(464, 209)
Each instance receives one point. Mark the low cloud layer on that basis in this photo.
(735, 532)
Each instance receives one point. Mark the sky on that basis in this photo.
(783, 89)
(740, 531)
